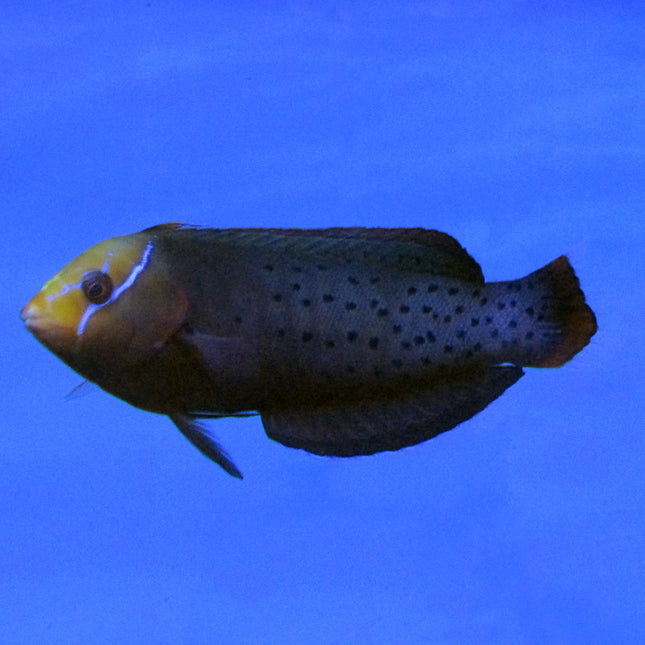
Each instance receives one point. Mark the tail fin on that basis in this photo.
(565, 318)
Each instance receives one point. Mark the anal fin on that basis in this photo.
(378, 424)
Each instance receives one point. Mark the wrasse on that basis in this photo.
(346, 341)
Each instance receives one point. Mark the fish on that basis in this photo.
(345, 341)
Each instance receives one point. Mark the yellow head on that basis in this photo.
(108, 309)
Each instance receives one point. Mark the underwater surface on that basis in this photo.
(516, 128)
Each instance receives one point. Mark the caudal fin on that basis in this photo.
(565, 319)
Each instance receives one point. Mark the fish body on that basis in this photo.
(346, 341)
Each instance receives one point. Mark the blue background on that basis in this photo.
(519, 128)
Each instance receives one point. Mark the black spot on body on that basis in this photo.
(501, 305)
(295, 287)
(373, 342)
(277, 297)
(474, 322)
(397, 329)
(268, 267)
(432, 288)
(406, 344)
(307, 336)
(321, 267)
(453, 291)
(412, 291)
(447, 319)
(306, 302)
(280, 333)
(404, 309)
(483, 302)
(373, 304)
(461, 334)
(512, 324)
(530, 312)
(459, 310)
(296, 269)
(489, 320)
(529, 335)
(328, 298)
(350, 306)
(426, 309)
(448, 349)
(494, 333)
(352, 280)
(330, 344)
(476, 293)
(374, 280)
(431, 337)
(382, 312)
(352, 336)
(419, 340)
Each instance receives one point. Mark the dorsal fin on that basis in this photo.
(168, 226)
(399, 249)
(417, 249)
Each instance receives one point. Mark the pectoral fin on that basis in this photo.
(375, 425)
(199, 436)
(229, 359)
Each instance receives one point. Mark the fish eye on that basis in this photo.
(97, 287)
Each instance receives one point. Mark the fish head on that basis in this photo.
(108, 309)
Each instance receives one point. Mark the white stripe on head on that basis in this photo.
(126, 284)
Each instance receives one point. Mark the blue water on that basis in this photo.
(514, 126)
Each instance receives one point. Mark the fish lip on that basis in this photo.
(36, 323)
(30, 324)
(29, 317)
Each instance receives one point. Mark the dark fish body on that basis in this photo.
(346, 341)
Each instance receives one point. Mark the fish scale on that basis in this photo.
(346, 341)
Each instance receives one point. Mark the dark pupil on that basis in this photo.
(95, 290)
(97, 287)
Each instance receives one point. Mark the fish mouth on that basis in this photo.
(30, 317)
(44, 330)
(39, 323)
